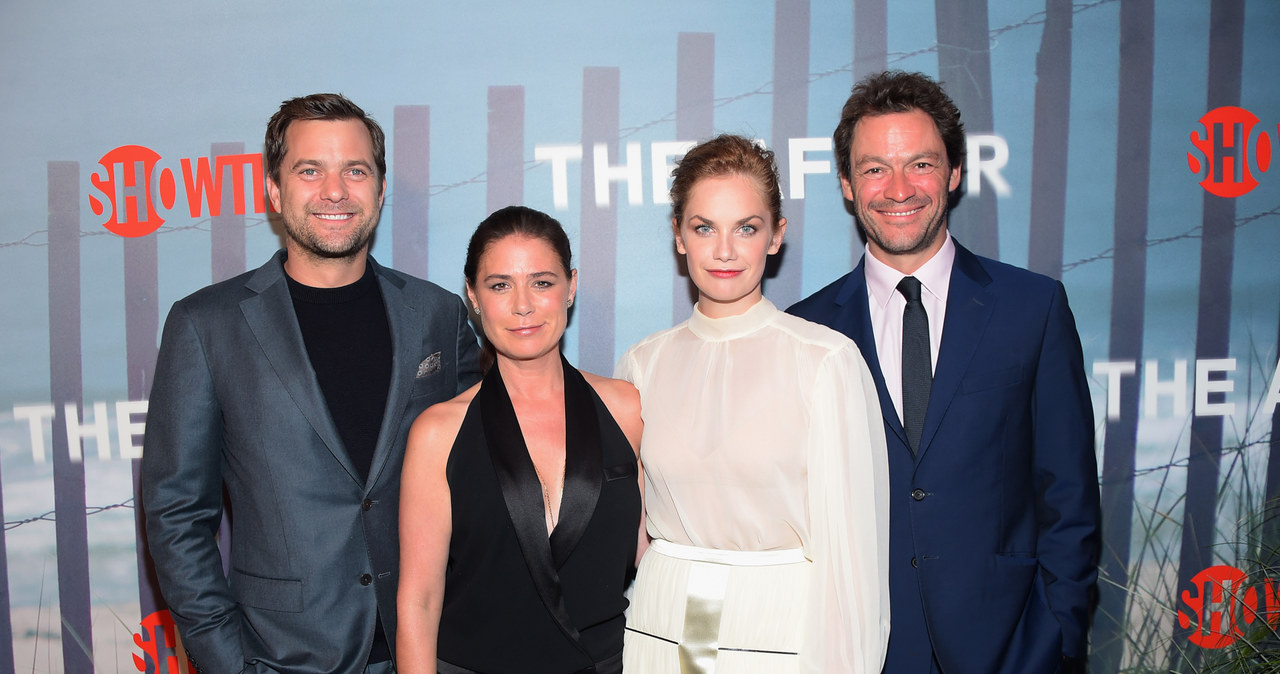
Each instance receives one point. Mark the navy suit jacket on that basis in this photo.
(315, 549)
(994, 525)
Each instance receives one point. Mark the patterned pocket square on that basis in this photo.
(429, 365)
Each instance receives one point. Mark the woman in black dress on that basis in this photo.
(520, 505)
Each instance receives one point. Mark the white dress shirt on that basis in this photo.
(887, 304)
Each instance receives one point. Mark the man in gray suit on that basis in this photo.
(294, 385)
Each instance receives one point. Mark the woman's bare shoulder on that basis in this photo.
(614, 391)
(623, 401)
(438, 425)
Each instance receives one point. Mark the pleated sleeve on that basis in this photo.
(848, 480)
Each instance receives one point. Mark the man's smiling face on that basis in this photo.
(329, 194)
(899, 183)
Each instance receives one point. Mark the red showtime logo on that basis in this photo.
(1225, 152)
(158, 639)
(130, 182)
(1224, 604)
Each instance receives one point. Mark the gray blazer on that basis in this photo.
(314, 551)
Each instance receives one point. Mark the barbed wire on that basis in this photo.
(51, 516)
(1183, 462)
(202, 225)
(1193, 233)
(764, 89)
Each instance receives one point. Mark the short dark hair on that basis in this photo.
(726, 155)
(898, 91)
(516, 221)
(326, 107)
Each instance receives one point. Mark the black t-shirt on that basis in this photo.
(348, 341)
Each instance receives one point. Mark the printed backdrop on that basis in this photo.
(1122, 146)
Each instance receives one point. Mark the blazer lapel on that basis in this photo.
(855, 321)
(969, 308)
(522, 492)
(270, 316)
(407, 321)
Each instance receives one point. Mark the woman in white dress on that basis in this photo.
(764, 457)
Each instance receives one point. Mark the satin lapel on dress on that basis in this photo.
(582, 465)
(523, 494)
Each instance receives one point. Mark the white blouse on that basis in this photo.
(762, 431)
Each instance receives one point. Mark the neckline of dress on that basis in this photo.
(731, 327)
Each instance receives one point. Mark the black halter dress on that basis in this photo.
(516, 600)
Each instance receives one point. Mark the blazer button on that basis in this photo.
(365, 579)
(367, 504)
(917, 494)
(914, 564)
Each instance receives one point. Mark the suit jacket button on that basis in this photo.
(365, 579)
(917, 494)
(914, 565)
(367, 504)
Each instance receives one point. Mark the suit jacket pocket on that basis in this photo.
(1016, 570)
(271, 594)
(620, 471)
(982, 381)
(435, 385)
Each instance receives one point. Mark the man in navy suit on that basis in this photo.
(294, 386)
(993, 481)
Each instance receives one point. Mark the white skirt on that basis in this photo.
(699, 611)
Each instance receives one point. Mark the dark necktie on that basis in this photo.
(917, 367)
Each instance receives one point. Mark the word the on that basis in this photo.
(129, 428)
(1212, 385)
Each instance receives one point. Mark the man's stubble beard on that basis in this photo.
(928, 237)
(315, 247)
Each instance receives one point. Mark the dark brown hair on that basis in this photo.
(521, 221)
(898, 91)
(326, 107)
